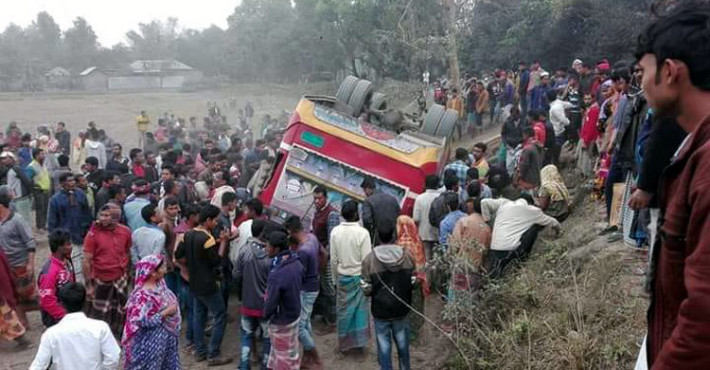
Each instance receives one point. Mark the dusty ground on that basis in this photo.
(115, 112)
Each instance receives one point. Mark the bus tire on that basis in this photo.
(378, 101)
(346, 89)
(432, 119)
(360, 96)
(448, 124)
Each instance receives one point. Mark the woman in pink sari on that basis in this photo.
(150, 335)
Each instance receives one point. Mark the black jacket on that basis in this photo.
(663, 141)
(386, 270)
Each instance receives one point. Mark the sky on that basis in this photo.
(111, 22)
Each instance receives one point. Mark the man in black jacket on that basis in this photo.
(379, 211)
(387, 274)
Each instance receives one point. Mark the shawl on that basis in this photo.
(408, 238)
(553, 184)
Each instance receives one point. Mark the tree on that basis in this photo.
(80, 46)
(154, 40)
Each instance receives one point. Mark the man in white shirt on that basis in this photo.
(350, 243)
(427, 233)
(559, 121)
(514, 230)
(77, 342)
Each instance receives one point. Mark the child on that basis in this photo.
(55, 273)
(283, 302)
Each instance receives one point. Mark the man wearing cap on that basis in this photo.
(69, 209)
(379, 210)
(538, 96)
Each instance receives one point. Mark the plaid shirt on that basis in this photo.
(461, 168)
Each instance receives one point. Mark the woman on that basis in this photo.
(10, 326)
(408, 238)
(150, 335)
(553, 197)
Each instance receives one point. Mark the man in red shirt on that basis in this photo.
(55, 273)
(673, 54)
(106, 261)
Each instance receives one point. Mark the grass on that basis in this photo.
(554, 312)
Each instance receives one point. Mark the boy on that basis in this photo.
(387, 274)
(283, 303)
(56, 272)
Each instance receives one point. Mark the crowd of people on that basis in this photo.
(148, 250)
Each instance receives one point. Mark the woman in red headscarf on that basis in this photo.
(408, 238)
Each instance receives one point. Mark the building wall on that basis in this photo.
(134, 82)
(94, 81)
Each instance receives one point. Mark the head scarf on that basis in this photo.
(408, 238)
(145, 304)
(553, 183)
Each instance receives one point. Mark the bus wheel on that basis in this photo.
(432, 119)
(378, 101)
(346, 89)
(360, 96)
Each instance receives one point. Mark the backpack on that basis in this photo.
(438, 210)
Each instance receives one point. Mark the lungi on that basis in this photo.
(10, 326)
(109, 303)
(26, 288)
(353, 314)
(284, 353)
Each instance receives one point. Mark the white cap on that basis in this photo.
(576, 62)
(544, 74)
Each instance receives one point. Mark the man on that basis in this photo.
(524, 73)
(106, 263)
(142, 123)
(76, 342)
(56, 272)
(456, 103)
(251, 272)
(102, 196)
(283, 303)
(137, 168)
(95, 148)
(19, 245)
(118, 162)
(83, 185)
(539, 95)
(479, 159)
(325, 219)
(169, 220)
(422, 205)
(63, 138)
(559, 121)
(672, 52)
(307, 248)
(63, 167)
(20, 185)
(515, 229)
(94, 175)
(379, 210)
(349, 244)
(202, 255)
(446, 227)
(229, 204)
(507, 94)
(459, 165)
(528, 171)
(37, 172)
(135, 203)
(438, 209)
(220, 182)
(511, 135)
(482, 104)
(69, 210)
(586, 79)
(151, 171)
(24, 154)
(573, 96)
(387, 274)
(149, 239)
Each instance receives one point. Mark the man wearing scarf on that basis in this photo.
(135, 203)
(106, 261)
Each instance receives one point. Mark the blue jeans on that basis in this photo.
(384, 332)
(202, 306)
(186, 301)
(305, 332)
(248, 328)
